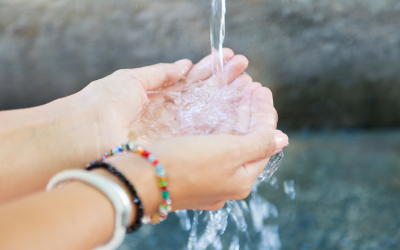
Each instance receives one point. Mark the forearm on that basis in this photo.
(75, 216)
(37, 143)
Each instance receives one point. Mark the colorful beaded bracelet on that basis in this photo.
(165, 206)
(139, 213)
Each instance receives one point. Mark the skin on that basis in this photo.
(203, 171)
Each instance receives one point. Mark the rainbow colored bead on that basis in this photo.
(165, 206)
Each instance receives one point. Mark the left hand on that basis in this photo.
(118, 99)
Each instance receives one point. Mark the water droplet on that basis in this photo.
(217, 244)
(237, 215)
(272, 166)
(288, 187)
(270, 238)
(193, 233)
(244, 206)
(235, 243)
(183, 219)
(261, 209)
(274, 183)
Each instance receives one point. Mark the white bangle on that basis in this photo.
(114, 192)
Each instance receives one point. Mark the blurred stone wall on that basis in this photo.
(329, 63)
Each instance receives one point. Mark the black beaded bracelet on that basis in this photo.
(136, 200)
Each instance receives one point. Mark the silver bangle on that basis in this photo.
(114, 192)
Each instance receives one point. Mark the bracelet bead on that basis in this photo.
(135, 198)
(165, 206)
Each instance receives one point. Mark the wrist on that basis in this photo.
(112, 177)
(142, 176)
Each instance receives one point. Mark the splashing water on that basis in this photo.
(183, 219)
(261, 209)
(210, 107)
(234, 244)
(288, 187)
(274, 183)
(270, 238)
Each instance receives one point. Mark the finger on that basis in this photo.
(160, 75)
(204, 69)
(242, 81)
(244, 108)
(263, 114)
(261, 144)
(235, 67)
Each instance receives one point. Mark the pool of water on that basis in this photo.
(347, 197)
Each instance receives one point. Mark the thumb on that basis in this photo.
(262, 144)
(162, 74)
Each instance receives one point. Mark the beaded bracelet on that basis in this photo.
(165, 206)
(135, 198)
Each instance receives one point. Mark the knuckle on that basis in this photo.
(248, 78)
(121, 72)
(262, 149)
(270, 145)
(161, 64)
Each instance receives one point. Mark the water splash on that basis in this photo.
(217, 244)
(236, 212)
(270, 238)
(274, 183)
(183, 219)
(243, 206)
(234, 244)
(217, 222)
(288, 187)
(272, 166)
(193, 233)
(261, 209)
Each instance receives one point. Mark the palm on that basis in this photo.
(207, 104)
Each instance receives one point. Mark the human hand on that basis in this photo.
(118, 98)
(205, 171)
(170, 104)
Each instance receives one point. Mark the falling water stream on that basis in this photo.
(217, 36)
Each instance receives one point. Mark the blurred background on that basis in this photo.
(333, 66)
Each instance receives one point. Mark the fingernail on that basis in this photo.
(281, 140)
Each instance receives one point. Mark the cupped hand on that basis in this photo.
(118, 99)
(205, 171)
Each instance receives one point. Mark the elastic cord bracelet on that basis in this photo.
(135, 198)
(118, 197)
(165, 206)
